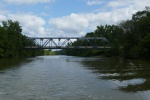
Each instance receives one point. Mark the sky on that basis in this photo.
(67, 18)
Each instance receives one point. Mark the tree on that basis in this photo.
(12, 41)
(130, 39)
(144, 47)
(135, 31)
(2, 41)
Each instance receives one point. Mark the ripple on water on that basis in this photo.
(70, 78)
(126, 83)
(145, 95)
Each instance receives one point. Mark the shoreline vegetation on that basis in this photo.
(12, 41)
(129, 39)
(133, 36)
(49, 52)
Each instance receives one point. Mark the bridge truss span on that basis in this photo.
(68, 43)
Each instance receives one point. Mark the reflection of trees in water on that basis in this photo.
(123, 71)
(12, 63)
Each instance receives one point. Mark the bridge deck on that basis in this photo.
(68, 47)
(67, 38)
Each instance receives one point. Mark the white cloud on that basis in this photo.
(76, 24)
(2, 18)
(136, 4)
(79, 24)
(32, 25)
(94, 2)
(29, 1)
(119, 3)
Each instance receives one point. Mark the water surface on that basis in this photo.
(74, 78)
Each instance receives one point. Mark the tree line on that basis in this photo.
(129, 39)
(12, 41)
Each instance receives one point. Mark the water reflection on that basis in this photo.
(12, 63)
(128, 75)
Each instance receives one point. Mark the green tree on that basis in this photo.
(13, 30)
(2, 42)
(144, 47)
(127, 39)
(12, 42)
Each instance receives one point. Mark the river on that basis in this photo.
(74, 78)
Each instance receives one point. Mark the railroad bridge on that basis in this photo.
(66, 43)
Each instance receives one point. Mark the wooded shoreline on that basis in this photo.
(132, 35)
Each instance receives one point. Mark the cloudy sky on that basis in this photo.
(55, 18)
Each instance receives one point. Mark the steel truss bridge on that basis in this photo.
(66, 43)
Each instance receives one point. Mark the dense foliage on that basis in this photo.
(12, 41)
(49, 52)
(130, 38)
